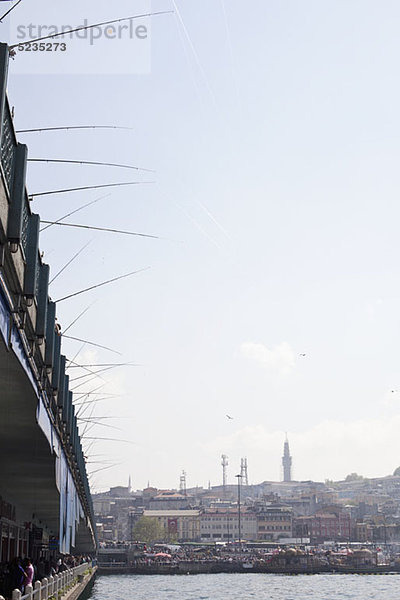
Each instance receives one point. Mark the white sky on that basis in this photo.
(275, 136)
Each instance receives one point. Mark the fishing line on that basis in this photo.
(83, 28)
(232, 58)
(195, 54)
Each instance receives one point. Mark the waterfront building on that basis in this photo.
(45, 503)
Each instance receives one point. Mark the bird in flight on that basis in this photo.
(229, 417)
(303, 354)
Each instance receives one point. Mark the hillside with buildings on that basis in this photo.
(356, 509)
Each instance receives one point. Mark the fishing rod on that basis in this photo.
(69, 337)
(9, 10)
(86, 382)
(110, 397)
(93, 228)
(101, 418)
(74, 211)
(78, 317)
(88, 427)
(86, 27)
(94, 373)
(111, 440)
(93, 287)
(85, 394)
(94, 391)
(91, 374)
(92, 422)
(67, 128)
(82, 408)
(88, 187)
(70, 262)
(104, 468)
(82, 405)
(78, 353)
(128, 364)
(88, 162)
(76, 365)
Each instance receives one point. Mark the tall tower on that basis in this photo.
(243, 471)
(287, 461)
(224, 463)
(182, 483)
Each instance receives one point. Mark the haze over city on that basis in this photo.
(272, 295)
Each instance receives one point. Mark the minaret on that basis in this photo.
(224, 463)
(182, 483)
(129, 485)
(287, 462)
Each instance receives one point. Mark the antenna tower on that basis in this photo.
(243, 471)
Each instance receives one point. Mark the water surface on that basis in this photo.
(246, 587)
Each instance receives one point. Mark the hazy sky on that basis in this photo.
(274, 131)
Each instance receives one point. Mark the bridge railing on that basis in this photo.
(53, 587)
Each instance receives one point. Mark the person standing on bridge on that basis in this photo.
(29, 572)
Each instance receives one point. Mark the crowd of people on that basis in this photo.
(20, 572)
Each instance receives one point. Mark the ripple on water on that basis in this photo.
(246, 586)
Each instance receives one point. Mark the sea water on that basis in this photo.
(246, 586)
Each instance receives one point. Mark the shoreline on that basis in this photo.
(188, 568)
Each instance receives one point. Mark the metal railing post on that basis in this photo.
(29, 591)
(51, 586)
(16, 595)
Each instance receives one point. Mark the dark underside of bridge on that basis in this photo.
(27, 466)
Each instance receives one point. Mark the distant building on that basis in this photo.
(168, 500)
(183, 525)
(325, 526)
(287, 462)
(274, 521)
(222, 525)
